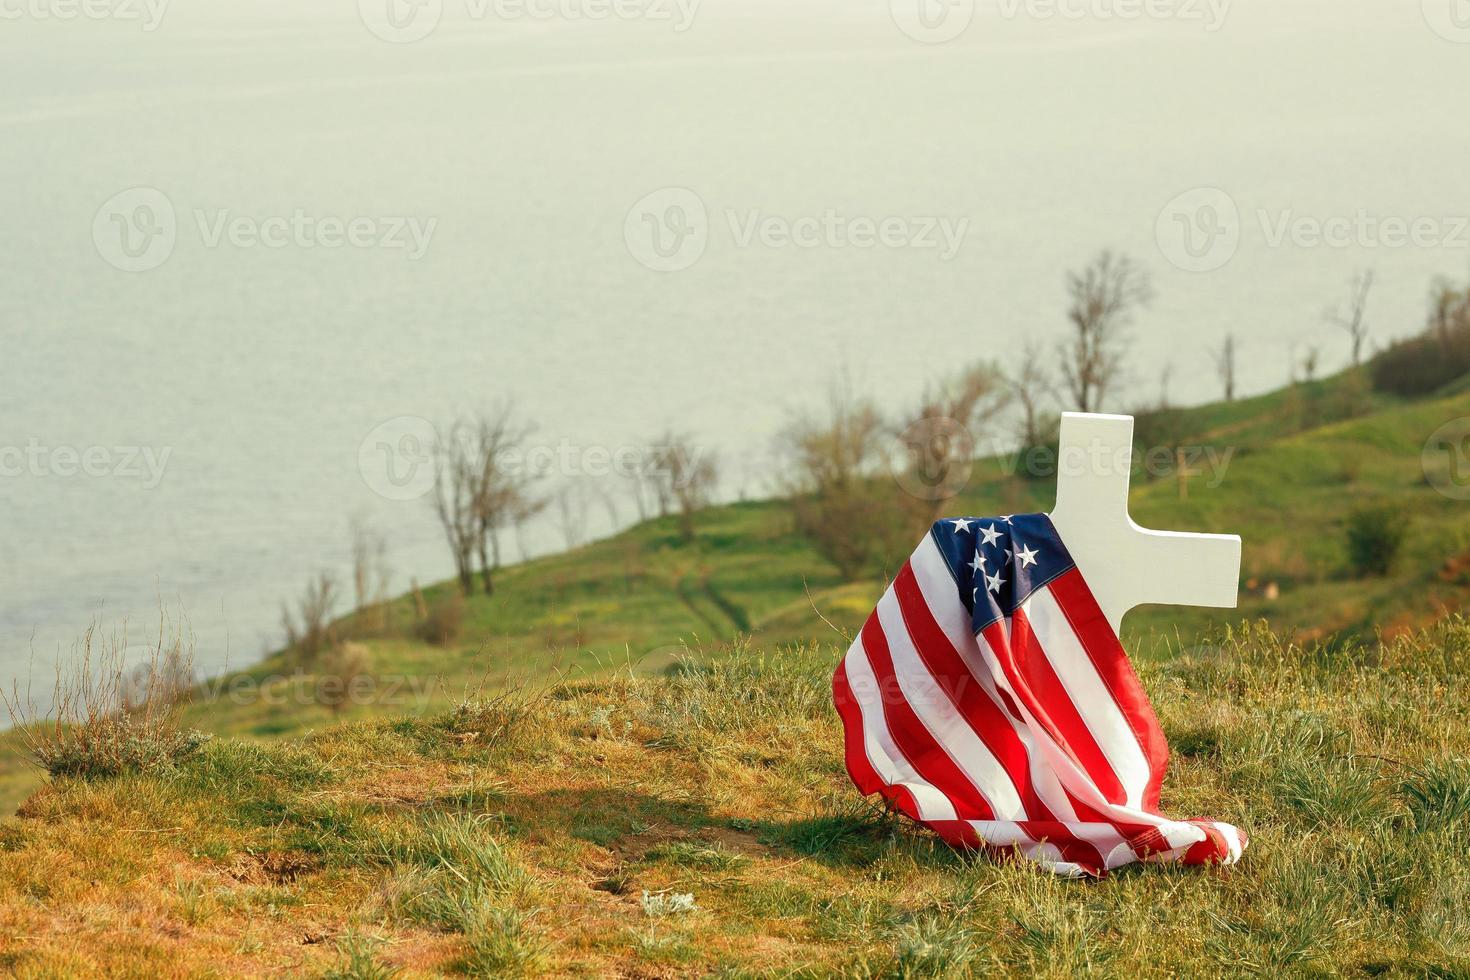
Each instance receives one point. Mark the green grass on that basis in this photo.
(633, 602)
(440, 825)
(396, 847)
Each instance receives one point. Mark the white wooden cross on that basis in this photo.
(1126, 565)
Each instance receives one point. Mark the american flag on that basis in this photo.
(988, 698)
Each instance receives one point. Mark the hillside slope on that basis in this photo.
(637, 599)
(700, 823)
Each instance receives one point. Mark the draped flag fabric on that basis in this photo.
(988, 698)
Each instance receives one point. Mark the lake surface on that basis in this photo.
(237, 244)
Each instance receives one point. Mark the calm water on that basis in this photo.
(517, 148)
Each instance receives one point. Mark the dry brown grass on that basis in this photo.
(529, 847)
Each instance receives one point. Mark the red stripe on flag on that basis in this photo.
(1036, 683)
(925, 755)
(1112, 665)
(855, 753)
(982, 714)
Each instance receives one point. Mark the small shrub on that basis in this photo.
(337, 678)
(1429, 360)
(110, 715)
(1439, 795)
(460, 879)
(117, 745)
(502, 945)
(491, 720)
(1374, 535)
(442, 624)
(359, 960)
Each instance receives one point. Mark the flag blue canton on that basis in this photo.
(998, 562)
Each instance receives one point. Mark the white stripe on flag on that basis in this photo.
(937, 585)
(887, 761)
(1067, 771)
(932, 704)
(1089, 693)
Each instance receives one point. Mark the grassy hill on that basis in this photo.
(699, 823)
(302, 838)
(640, 597)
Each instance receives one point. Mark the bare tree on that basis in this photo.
(1352, 319)
(1166, 379)
(525, 509)
(1032, 386)
(635, 489)
(480, 489)
(684, 476)
(605, 496)
(1102, 300)
(1309, 362)
(1224, 359)
(313, 631)
(370, 574)
(456, 488)
(571, 512)
(339, 676)
(833, 463)
(939, 434)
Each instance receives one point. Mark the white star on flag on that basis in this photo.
(1027, 556)
(961, 525)
(994, 582)
(991, 534)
